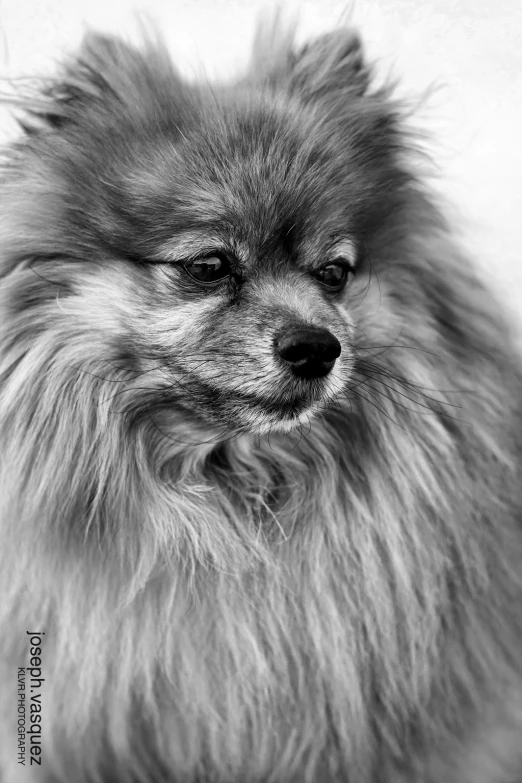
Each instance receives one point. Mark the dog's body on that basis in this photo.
(254, 559)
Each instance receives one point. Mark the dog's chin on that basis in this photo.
(288, 416)
(293, 408)
(225, 414)
(264, 423)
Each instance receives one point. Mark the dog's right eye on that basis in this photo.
(209, 270)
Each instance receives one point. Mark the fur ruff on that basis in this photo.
(339, 602)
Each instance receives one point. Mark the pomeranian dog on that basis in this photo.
(260, 502)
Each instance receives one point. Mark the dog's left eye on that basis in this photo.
(335, 275)
(209, 270)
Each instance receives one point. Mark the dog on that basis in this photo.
(260, 418)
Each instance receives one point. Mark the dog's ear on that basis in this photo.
(104, 74)
(331, 64)
(100, 67)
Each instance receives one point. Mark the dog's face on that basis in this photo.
(211, 245)
(240, 279)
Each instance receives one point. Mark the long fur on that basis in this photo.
(229, 594)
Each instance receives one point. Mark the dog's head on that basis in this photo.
(210, 246)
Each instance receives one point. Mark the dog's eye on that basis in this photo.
(209, 270)
(335, 275)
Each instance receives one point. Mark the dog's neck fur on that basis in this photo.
(336, 592)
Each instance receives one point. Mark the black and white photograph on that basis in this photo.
(260, 391)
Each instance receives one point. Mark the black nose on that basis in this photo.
(310, 352)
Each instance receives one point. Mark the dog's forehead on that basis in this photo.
(258, 178)
(253, 173)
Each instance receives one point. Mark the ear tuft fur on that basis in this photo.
(105, 72)
(330, 64)
(88, 79)
(333, 62)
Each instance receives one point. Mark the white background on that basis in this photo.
(471, 49)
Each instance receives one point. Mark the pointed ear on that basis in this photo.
(100, 66)
(106, 72)
(89, 79)
(332, 63)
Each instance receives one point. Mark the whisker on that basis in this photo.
(378, 407)
(406, 396)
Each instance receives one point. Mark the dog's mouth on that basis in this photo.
(283, 410)
(278, 398)
(286, 408)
